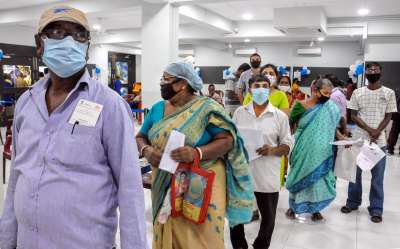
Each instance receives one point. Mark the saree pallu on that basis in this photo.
(232, 191)
(311, 181)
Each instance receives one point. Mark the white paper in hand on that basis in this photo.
(369, 156)
(175, 141)
(347, 142)
(253, 140)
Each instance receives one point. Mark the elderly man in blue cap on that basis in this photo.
(74, 156)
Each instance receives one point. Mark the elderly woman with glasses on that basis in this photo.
(311, 182)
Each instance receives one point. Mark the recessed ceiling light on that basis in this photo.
(321, 38)
(247, 40)
(363, 12)
(247, 16)
(96, 27)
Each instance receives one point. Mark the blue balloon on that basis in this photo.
(359, 70)
(304, 72)
(1, 55)
(98, 70)
(282, 70)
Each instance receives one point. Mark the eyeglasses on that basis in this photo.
(169, 80)
(373, 70)
(59, 34)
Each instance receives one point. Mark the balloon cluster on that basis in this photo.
(282, 71)
(305, 71)
(1, 55)
(228, 74)
(356, 70)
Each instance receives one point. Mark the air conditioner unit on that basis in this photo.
(186, 52)
(303, 21)
(245, 52)
(309, 51)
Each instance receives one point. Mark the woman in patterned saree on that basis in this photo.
(311, 181)
(209, 130)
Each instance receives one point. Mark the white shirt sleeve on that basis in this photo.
(392, 106)
(353, 103)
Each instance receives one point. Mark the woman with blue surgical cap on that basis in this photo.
(209, 132)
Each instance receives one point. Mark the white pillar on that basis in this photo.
(160, 25)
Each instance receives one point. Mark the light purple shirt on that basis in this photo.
(339, 98)
(64, 188)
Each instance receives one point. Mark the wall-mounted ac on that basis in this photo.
(186, 52)
(301, 21)
(245, 52)
(309, 51)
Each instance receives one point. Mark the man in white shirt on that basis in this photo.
(371, 109)
(274, 124)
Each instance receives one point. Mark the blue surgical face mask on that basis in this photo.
(260, 95)
(64, 57)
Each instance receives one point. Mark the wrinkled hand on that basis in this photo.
(266, 150)
(153, 155)
(183, 154)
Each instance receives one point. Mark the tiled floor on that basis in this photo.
(339, 231)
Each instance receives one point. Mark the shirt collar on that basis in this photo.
(250, 108)
(42, 84)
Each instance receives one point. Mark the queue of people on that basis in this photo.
(80, 162)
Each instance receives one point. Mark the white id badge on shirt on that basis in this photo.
(86, 113)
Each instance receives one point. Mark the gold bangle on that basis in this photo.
(200, 152)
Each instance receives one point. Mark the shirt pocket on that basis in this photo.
(77, 145)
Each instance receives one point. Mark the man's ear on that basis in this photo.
(39, 45)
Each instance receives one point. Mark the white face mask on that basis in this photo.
(272, 79)
(284, 88)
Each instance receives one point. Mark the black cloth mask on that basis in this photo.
(323, 99)
(255, 64)
(167, 91)
(372, 78)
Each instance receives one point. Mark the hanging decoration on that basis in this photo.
(305, 72)
(1, 55)
(282, 71)
(356, 70)
(228, 74)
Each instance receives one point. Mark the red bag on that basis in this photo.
(191, 191)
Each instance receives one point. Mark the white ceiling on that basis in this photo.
(263, 9)
(126, 15)
(11, 4)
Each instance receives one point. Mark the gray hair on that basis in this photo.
(318, 84)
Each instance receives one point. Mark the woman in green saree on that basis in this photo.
(311, 182)
(209, 130)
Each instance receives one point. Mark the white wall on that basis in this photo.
(338, 54)
(17, 34)
(383, 49)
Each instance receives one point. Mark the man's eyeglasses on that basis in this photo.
(59, 34)
(373, 70)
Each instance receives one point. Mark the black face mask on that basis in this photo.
(255, 64)
(372, 78)
(323, 99)
(167, 91)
